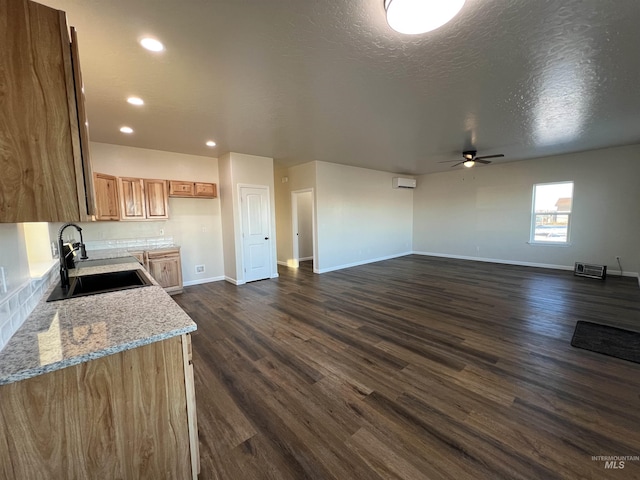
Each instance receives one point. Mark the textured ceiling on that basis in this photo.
(309, 80)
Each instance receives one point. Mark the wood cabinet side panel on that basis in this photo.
(82, 159)
(38, 181)
(120, 416)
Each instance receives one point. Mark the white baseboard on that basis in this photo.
(200, 281)
(284, 264)
(356, 264)
(522, 264)
(234, 281)
(304, 259)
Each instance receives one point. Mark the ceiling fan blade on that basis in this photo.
(479, 160)
(449, 161)
(459, 163)
(489, 156)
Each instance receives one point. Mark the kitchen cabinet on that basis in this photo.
(44, 153)
(183, 189)
(132, 202)
(157, 199)
(143, 199)
(107, 199)
(165, 267)
(127, 415)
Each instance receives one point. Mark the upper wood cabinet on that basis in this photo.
(107, 200)
(179, 188)
(46, 170)
(132, 202)
(143, 199)
(157, 200)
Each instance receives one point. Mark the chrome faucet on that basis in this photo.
(64, 270)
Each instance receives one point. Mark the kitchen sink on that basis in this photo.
(100, 283)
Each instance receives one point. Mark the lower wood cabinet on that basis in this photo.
(164, 265)
(127, 415)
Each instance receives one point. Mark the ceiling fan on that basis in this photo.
(470, 159)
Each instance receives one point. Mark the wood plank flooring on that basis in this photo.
(413, 368)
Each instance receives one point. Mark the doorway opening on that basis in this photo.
(303, 224)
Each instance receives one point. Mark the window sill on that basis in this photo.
(549, 244)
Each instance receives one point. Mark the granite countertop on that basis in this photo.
(68, 332)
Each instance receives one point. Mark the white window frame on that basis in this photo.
(532, 233)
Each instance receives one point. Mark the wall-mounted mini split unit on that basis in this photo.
(399, 182)
(588, 270)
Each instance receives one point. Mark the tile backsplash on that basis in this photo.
(147, 243)
(15, 308)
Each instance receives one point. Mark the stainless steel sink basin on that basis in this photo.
(100, 283)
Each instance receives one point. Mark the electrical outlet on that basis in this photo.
(199, 268)
(3, 281)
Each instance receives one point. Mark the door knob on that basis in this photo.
(266, 238)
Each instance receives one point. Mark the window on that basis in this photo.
(551, 213)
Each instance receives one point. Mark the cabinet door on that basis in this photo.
(157, 200)
(41, 176)
(166, 268)
(132, 204)
(208, 190)
(106, 189)
(180, 189)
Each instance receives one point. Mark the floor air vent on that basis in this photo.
(591, 271)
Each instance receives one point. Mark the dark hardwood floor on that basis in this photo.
(413, 368)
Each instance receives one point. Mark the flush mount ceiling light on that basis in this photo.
(135, 101)
(211, 143)
(126, 129)
(152, 44)
(420, 16)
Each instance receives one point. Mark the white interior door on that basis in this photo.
(254, 202)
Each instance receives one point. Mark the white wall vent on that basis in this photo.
(592, 271)
(400, 182)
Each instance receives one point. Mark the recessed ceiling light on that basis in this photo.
(135, 101)
(211, 143)
(152, 44)
(420, 16)
(126, 129)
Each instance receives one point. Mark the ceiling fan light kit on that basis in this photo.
(470, 159)
(413, 17)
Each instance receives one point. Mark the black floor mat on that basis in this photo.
(607, 340)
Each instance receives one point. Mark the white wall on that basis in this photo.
(195, 224)
(228, 221)
(237, 170)
(360, 217)
(485, 212)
